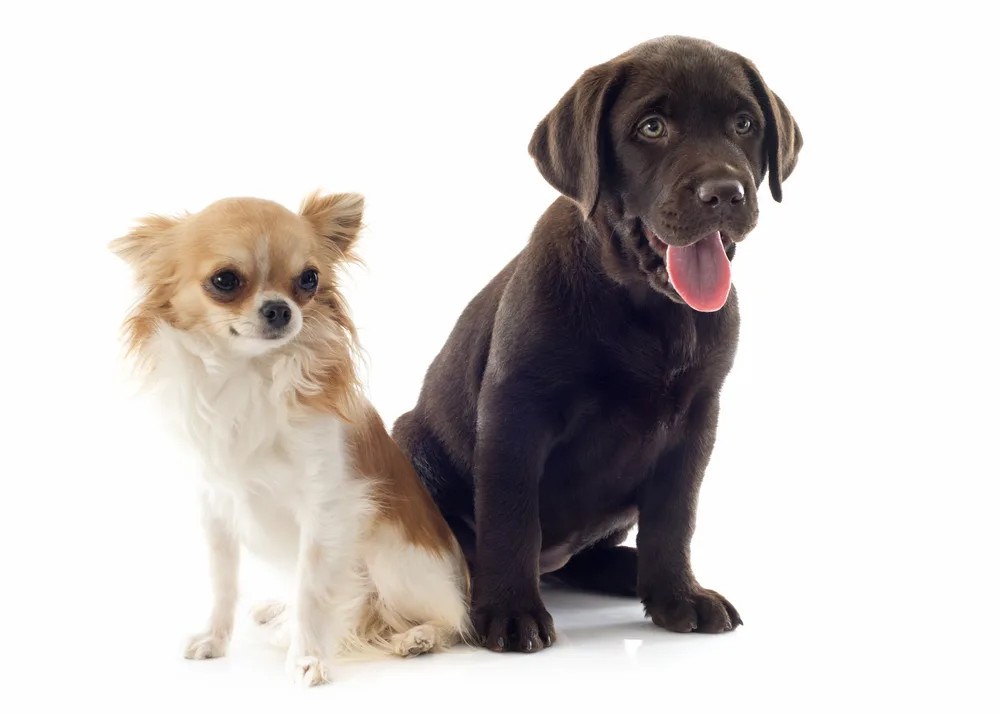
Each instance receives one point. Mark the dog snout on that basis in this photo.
(721, 192)
(277, 313)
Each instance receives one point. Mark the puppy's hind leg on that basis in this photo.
(605, 567)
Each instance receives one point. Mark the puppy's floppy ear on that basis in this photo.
(144, 241)
(336, 217)
(782, 138)
(567, 145)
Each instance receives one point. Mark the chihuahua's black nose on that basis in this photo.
(719, 192)
(277, 313)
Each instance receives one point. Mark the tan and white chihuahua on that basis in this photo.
(242, 329)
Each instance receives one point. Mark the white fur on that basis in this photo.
(415, 586)
(279, 481)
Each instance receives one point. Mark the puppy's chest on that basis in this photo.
(652, 378)
(653, 364)
(653, 396)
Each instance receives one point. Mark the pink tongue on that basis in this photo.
(700, 273)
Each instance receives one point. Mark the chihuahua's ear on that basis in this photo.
(144, 241)
(336, 217)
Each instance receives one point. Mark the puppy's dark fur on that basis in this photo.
(578, 394)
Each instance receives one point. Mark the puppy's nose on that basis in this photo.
(719, 192)
(277, 313)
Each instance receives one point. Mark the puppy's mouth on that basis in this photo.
(700, 271)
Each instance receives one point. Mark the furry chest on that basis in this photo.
(263, 491)
(247, 433)
(265, 458)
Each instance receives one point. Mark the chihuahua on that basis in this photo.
(243, 331)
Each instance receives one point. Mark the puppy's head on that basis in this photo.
(671, 139)
(244, 276)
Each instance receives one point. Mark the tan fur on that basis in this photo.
(402, 498)
(174, 257)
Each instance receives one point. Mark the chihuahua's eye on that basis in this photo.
(744, 124)
(309, 280)
(226, 281)
(653, 127)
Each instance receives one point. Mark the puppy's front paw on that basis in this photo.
(307, 671)
(694, 610)
(514, 629)
(206, 646)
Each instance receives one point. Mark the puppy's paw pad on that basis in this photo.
(266, 612)
(308, 671)
(206, 646)
(415, 641)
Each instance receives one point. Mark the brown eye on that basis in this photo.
(226, 281)
(653, 127)
(309, 280)
(744, 124)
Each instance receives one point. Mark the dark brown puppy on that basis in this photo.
(579, 391)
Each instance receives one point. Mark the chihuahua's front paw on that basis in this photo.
(207, 645)
(307, 671)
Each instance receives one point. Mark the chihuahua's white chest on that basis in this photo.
(263, 463)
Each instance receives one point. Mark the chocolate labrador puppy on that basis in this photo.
(578, 393)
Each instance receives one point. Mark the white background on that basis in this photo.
(849, 510)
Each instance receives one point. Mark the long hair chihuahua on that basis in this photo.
(241, 327)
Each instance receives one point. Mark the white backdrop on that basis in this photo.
(849, 510)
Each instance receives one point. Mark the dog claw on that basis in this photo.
(526, 629)
(697, 610)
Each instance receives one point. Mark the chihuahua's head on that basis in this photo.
(244, 276)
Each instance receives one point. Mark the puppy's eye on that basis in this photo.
(226, 281)
(309, 280)
(653, 127)
(744, 125)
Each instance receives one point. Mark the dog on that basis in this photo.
(578, 394)
(243, 331)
